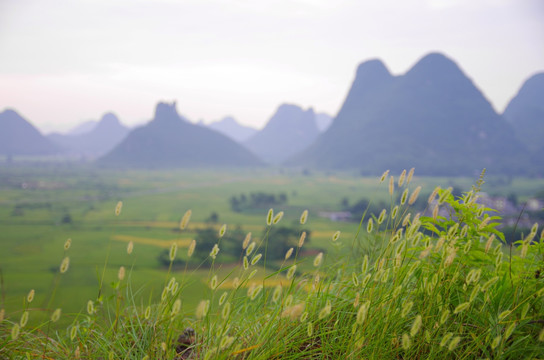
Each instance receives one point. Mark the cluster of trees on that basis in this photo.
(280, 239)
(257, 200)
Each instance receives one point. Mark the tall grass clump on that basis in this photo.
(435, 284)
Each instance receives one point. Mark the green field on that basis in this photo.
(34, 204)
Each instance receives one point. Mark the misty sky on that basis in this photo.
(66, 61)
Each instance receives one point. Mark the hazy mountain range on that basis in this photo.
(93, 139)
(432, 117)
(169, 140)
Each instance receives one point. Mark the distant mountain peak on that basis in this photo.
(166, 112)
(230, 127)
(372, 69)
(435, 65)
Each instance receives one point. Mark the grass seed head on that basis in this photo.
(130, 247)
(404, 196)
(416, 325)
(202, 309)
(250, 248)
(288, 253)
(370, 225)
(269, 217)
(410, 175)
(432, 196)
(302, 238)
(394, 212)
(256, 259)
(402, 177)
(541, 335)
(384, 176)
(318, 259)
(185, 219)
(65, 264)
(291, 272)
(214, 252)
(222, 230)
(310, 329)
(304, 217)
(364, 266)
(444, 317)
(461, 307)
(445, 339)
(176, 307)
(147, 312)
(382, 216)
(15, 330)
(391, 185)
(24, 319)
(247, 239)
(67, 244)
(406, 341)
(245, 263)
(121, 273)
(276, 294)
(414, 196)
(453, 343)
(118, 208)
(213, 282)
(226, 310)
(30, 296)
(173, 251)
(336, 236)
(191, 249)
(55, 316)
(277, 218)
(362, 313)
(90, 307)
(73, 332)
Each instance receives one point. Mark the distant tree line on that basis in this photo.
(256, 200)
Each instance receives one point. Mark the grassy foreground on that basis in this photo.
(434, 285)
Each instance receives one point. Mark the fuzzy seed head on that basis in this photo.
(15, 330)
(406, 341)
(247, 239)
(147, 312)
(185, 219)
(394, 212)
(432, 196)
(24, 319)
(384, 176)
(318, 259)
(496, 341)
(453, 343)
(270, 217)
(402, 177)
(256, 291)
(310, 329)
(252, 274)
(382, 216)
(446, 339)
(90, 307)
(364, 267)
(304, 316)
(326, 311)
(366, 279)
(291, 272)
(236, 282)
(288, 254)
(541, 335)
(435, 211)
(391, 185)
(223, 230)
(67, 244)
(223, 298)
(191, 249)
(130, 247)
(276, 294)
(509, 330)
(176, 307)
(213, 282)
(250, 248)
(304, 217)
(336, 236)
(370, 225)
(461, 307)
(410, 175)
(214, 252)
(406, 219)
(56, 315)
(362, 313)
(277, 218)
(202, 309)
(30, 296)
(489, 283)
(256, 259)
(416, 325)
(118, 208)
(444, 195)
(406, 308)
(498, 259)
(404, 196)
(355, 279)
(121, 273)
(302, 238)
(414, 196)
(444, 316)
(173, 252)
(245, 263)
(463, 232)
(64, 265)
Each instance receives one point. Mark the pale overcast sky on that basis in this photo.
(66, 61)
